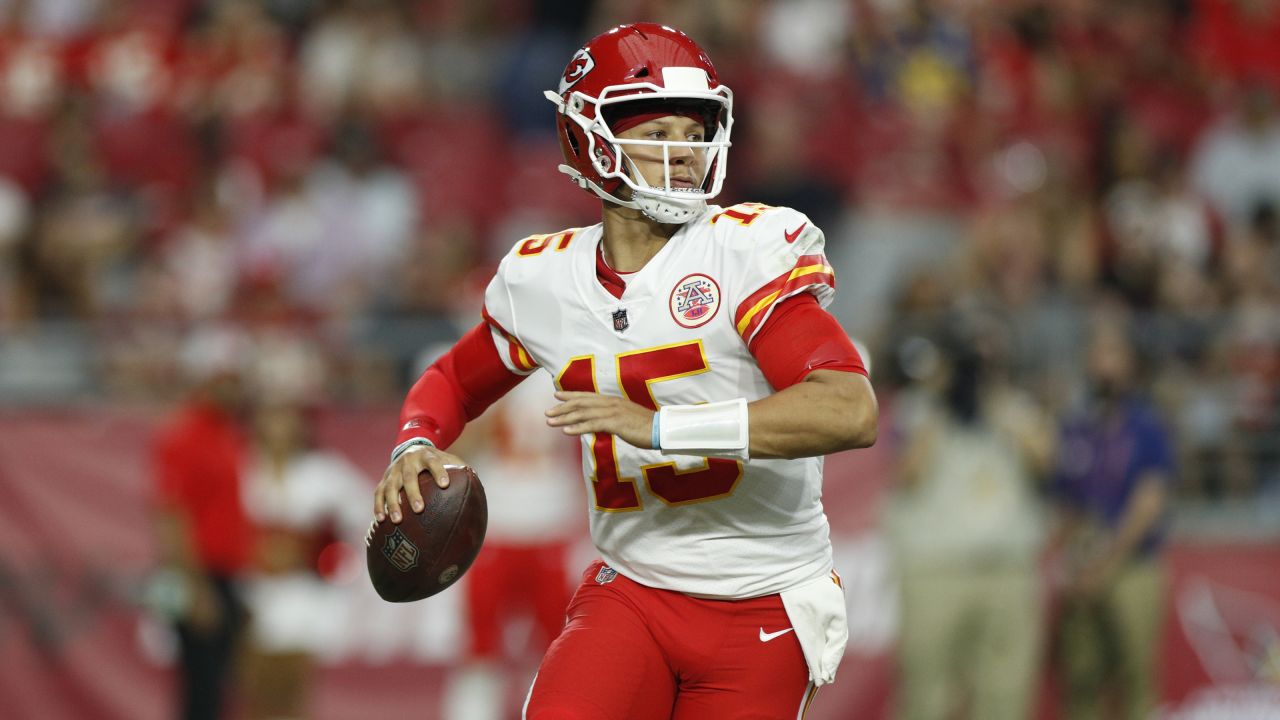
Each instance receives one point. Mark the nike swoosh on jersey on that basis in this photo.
(766, 637)
(791, 236)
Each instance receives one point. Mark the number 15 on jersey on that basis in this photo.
(637, 370)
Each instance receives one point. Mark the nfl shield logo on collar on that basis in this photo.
(620, 320)
(606, 575)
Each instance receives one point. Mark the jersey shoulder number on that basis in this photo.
(536, 245)
(522, 283)
(778, 252)
(756, 226)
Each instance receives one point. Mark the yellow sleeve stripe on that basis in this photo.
(768, 300)
(523, 357)
(755, 310)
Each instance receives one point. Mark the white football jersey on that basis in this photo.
(705, 526)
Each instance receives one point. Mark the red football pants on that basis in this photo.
(510, 581)
(631, 652)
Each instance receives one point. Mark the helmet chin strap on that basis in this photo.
(667, 211)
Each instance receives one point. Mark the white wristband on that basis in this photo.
(411, 442)
(711, 430)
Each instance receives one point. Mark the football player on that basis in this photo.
(691, 353)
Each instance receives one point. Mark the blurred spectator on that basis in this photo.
(234, 69)
(1214, 461)
(204, 535)
(1164, 239)
(295, 240)
(918, 51)
(199, 261)
(1112, 487)
(915, 64)
(373, 204)
(1237, 161)
(86, 232)
(303, 501)
(519, 587)
(824, 24)
(364, 55)
(964, 525)
(1250, 336)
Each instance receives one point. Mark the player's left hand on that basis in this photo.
(580, 413)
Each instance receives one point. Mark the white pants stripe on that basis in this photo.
(807, 699)
(524, 711)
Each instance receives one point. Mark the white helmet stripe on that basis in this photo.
(680, 79)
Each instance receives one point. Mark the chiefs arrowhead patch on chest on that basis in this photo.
(695, 299)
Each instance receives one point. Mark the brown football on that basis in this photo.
(428, 551)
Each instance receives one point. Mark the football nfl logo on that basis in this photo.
(620, 322)
(606, 575)
(400, 552)
(695, 300)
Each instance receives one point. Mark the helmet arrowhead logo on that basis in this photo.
(581, 64)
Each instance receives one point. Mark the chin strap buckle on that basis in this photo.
(555, 98)
(577, 177)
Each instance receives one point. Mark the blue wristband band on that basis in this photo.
(411, 442)
(656, 438)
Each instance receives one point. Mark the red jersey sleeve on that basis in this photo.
(457, 388)
(780, 255)
(800, 337)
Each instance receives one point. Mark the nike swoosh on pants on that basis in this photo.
(766, 637)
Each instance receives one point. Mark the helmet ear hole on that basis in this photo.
(573, 141)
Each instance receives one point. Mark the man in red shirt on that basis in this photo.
(204, 535)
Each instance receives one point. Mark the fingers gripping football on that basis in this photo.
(403, 475)
(580, 413)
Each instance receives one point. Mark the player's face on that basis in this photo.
(688, 166)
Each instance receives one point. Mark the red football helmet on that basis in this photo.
(641, 68)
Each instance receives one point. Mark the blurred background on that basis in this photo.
(1054, 225)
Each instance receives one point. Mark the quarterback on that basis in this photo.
(690, 351)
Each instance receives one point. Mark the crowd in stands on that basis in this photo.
(340, 177)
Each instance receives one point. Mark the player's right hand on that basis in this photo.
(403, 475)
